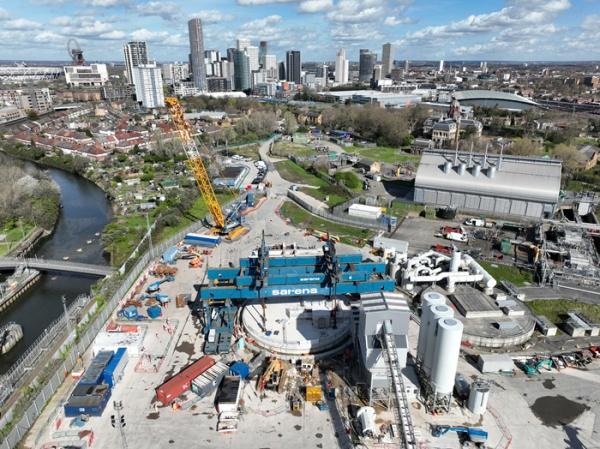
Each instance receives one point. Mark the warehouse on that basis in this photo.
(494, 185)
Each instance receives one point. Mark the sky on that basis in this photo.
(419, 29)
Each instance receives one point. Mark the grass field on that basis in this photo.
(348, 234)
(400, 209)
(580, 186)
(383, 154)
(292, 172)
(508, 273)
(555, 309)
(13, 235)
(250, 151)
(332, 195)
(286, 149)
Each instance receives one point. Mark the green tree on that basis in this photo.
(290, 125)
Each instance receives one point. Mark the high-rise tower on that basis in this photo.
(197, 53)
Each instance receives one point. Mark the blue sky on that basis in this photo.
(420, 29)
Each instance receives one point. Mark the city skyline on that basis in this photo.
(441, 29)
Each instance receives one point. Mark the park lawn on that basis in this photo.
(580, 186)
(292, 172)
(250, 151)
(331, 195)
(14, 235)
(508, 273)
(286, 149)
(383, 154)
(347, 234)
(555, 309)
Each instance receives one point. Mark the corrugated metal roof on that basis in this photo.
(534, 179)
(483, 94)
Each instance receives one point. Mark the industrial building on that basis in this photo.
(494, 185)
(383, 99)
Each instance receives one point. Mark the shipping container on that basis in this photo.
(208, 381)
(182, 381)
(114, 370)
(363, 211)
(92, 403)
(228, 396)
(202, 239)
(93, 375)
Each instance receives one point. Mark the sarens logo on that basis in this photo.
(294, 291)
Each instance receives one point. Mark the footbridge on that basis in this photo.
(10, 263)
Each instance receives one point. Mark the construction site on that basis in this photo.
(253, 333)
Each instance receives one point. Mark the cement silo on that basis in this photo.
(448, 337)
(436, 313)
(478, 397)
(428, 299)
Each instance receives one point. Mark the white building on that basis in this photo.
(86, 75)
(441, 67)
(271, 67)
(253, 56)
(136, 53)
(175, 72)
(242, 43)
(10, 114)
(38, 100)
(147, 79)
(341, 67)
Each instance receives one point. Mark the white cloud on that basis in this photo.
(4, 14)
(168, 11)
(21, 24)
(353, 34)
(106, 3)
(113, 35)
(213, 16)
(591, 22)
(262, 2)
(356, 11)
(393, 21)
(312, 6)
(258, 24)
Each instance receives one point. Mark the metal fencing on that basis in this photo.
(347, 220)
(11, 381)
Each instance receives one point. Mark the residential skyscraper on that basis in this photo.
(271, 66)
(441, 68)
(366, 64)
(252, 53)
(241, 70)
(341, 67)
(262, 54)
(377, 73)
(147, 79)
(387, 59)
(282, 71)
(242, 43)
(293, 66)
(197, 54)
(136, 53)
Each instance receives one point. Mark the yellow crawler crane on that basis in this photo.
(196, 163)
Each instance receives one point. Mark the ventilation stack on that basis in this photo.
(478, 397)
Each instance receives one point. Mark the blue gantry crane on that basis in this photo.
(263, 277)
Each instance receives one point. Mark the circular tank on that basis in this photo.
(478, 397)
(437, 313)
(447, 349)
(428, 299)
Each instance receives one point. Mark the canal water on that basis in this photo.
(85, 212)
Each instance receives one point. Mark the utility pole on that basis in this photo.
(118, 422)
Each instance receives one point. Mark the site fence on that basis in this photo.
(346, 220)
(12, 380)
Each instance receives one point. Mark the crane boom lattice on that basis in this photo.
(195, 161)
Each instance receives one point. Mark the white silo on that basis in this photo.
(437, 313)
(428, 299)
(447, 349)
(478, 397)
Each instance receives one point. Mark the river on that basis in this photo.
(85, 212)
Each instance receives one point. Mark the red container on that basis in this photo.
(182, 381)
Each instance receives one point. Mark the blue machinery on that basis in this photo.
(265, 277)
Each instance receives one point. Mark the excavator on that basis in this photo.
(224, 225)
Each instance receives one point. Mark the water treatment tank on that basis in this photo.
(461, 168)
(476, 170)
(478, 397)
(447, 166)
(428, 299)
(437, 313)
(447, 349)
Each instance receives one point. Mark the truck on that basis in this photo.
(456, 234)
(479, 223)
